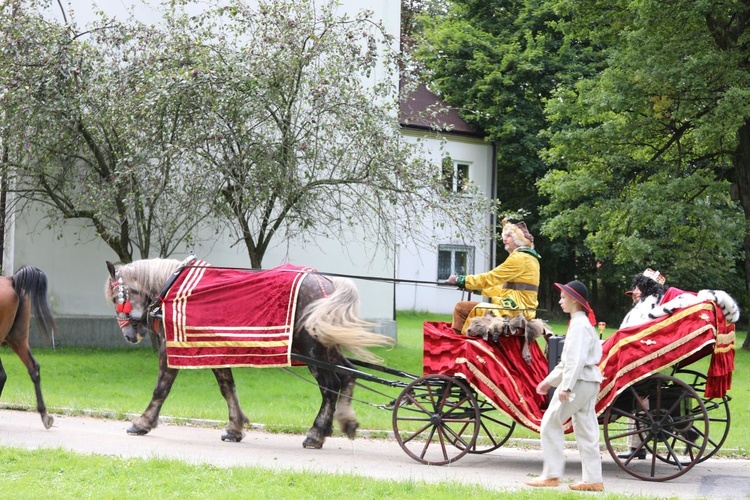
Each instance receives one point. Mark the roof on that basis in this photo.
(413, 113)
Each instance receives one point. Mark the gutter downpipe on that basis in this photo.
(493, 217)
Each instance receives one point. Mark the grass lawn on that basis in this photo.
(117, 382)
(48, 473)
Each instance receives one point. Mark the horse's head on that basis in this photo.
(130, 302)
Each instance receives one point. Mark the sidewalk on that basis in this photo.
(505, 469)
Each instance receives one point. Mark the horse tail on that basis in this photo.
(32, 282)
(334, 321)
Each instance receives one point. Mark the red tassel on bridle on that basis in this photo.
(123, 307)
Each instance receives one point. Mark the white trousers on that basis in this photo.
(585, 427)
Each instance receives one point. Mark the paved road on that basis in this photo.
(504, 469)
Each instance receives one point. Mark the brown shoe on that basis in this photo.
(587, 487)
(544, 483)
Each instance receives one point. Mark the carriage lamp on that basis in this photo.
(601, 326)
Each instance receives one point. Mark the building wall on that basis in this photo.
(420, 264)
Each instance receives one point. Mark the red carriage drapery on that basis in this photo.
(217, 317)
(501, 375)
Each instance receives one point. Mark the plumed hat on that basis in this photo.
(520, 233)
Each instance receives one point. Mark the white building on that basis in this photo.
(471, 158)
(75, 262)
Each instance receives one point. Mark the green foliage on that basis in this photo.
(620, 128)
(643, 151)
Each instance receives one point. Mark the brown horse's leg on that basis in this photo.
(18, 340)
(8, 304)
(3, 377)
(237, 419)
(150, 418)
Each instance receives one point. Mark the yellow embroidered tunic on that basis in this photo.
(514, 284)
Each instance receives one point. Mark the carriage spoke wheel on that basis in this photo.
(717, 408)
(436, 419)
(671, 421)
(495, 428)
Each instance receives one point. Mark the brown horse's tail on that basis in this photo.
(31, 282)
(335, 322)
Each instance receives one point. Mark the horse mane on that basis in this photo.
(148, 275)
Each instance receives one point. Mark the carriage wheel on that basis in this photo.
(717, 408)
(436, 419)
(495, 428)
(671, 421)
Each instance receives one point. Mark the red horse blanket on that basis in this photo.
(217, 317)
(630, 355)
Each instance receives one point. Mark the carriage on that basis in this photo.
(472, 393)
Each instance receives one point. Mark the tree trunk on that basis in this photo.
(742, 171)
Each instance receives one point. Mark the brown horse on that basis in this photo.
(326, 322)
(20, 293)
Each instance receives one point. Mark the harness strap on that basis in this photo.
(320, 284)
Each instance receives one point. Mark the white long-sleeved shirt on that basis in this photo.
(581, 354)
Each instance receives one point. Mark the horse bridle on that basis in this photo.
(121, 296)
(123, 306)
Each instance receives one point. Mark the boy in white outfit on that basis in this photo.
(577, 378)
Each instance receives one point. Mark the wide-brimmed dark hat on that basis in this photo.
(577, 291)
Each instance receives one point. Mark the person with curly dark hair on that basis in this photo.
(646, 291)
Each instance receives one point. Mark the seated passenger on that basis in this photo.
(512, 286)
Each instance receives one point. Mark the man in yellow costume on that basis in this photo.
(513, 286)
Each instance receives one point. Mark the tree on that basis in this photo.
(297, 115)
(645, 151)
(279, 119)
(90, 121)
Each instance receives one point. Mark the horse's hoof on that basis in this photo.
(47, 420)
(137, 431)
(233, 438)
(350, 429)
(312, 444)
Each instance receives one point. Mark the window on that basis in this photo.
(454, 259)
(455, 175)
